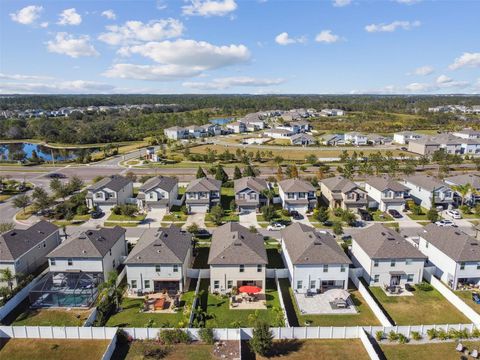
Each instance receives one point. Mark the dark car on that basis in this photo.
(203, 233)
(365, 215)
(394, 213)
(403, 148)
(296, 215)
(328, 223)
(96, 214)
(56, 176)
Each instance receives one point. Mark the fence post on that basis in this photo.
(409, 329)
(344, 332)
(318, 332)
(331, 332)
(305, 336)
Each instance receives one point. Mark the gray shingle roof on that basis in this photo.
(304, 136)
(89, 244)
(252, 183)
(380, 242)
(386, 183)
(296, 185)
(16, 242)
(339, 183)
(472, 179)
(162, 182)
(114, 182)
(204, 185)
(426, 182)
(234, 244)
(306, 246)
(161, 246)
(452, 242)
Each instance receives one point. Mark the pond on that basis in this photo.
(23, 151)
(221, 121)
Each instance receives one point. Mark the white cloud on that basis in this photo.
(341, 3)
(135, 31)
(151, 72)
(23, 77)
(408, 2)
(72, 46)
(405, 25)
(44, 24)
(209, 7)
(56, 87)
(466, 60)
(443, 79)
(326, 36)
(27, 15)
(109, 14)
(229, 82)
(423, 70)
(285, 39)
(161, 5)
(70, 17)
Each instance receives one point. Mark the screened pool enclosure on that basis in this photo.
(66, 289)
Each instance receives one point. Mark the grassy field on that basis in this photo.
(424, 307)
(24, 215)
(137, 349)
(51, 317)
(43, 349)
(437, 351)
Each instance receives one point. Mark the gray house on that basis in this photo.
(297, 195)
(248, 193)
(158, 192)
(201, 194)
(24, 251)
(341, 192)
(108, 192)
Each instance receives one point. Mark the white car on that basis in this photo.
(443, 223)
(275, 226)
(454, 214)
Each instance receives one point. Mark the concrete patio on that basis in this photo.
(241, 303)
(320, 304)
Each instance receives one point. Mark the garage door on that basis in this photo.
(198, 208)
(247, 209)
(106, 208)
(299, 208)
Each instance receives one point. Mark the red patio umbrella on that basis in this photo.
(249, 289)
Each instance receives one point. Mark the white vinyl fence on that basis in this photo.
(57, 332)
(282, 304)
(194, 304)
(91, 318)
(107, 355)
(367, 344)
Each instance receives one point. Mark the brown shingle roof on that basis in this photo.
(204, 185)
(249, 182)
(296, 185)
(386, 183)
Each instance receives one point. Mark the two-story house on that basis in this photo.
(356, 138)
(159, 261)
(23, 251)
(387, 259)
(404, 137)
(158, 192)
(108, 192)
(473, 180)
(236, 127)
(176, 133)
(202, 194)
(302, 139)
(249, 193)
(315, 261)
(297, 195)
(455, 255)
(237, 257)
(386, 193)
(428, 191)
(340, 192)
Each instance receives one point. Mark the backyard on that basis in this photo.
(51, 317)
(424, 307)
(137, 349)
(437, 351)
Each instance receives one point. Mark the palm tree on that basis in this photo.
(7, 276)
(269, 194)
(110, 290)
(462, 190)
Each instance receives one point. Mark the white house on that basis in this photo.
(466, 179)
(332, 112)
(356, 138)
(386, 193)
(387, 259)
(302, 139)
(236, 127)
(297, 195)
(278, 133)
(455, 255)
(467, 134)
(176, 133)
(108, 192)
(159, 192)
(237, 257)
(404, 137)
(151, 154)
(159, 261)
(425, 188)
(23, 251)
(315, 261)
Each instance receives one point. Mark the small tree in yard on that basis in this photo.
(110, 291)
(21, 202)
(322, 214)
(237, 173)
(7, 276)
(268, 213)
(432, 215)
(262, 339)
(220, 174)
(233, 205)
(337, 228)
(193, 229)
(216, 214)
(200, 173)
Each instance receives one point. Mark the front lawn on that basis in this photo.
(421, 216)
(279, 216)
(115, 217)
(228, 216)
(437, 351)
(381, 216)
(137, 349)
(220, 315)
(51, 317)
(424, 307)
(175, 214)
(25, 214)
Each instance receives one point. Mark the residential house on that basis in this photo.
(297, 195)
(295, 127)
(236, 127)
(473, 180)
(176, 133)
(340, 192)
(333, 139)
(23, 251)
(201, 194)
(425, 188)
(249, 193)
(386, 193)
(449, 143)
(237, 257)
(455, 255)
(159, 192)
(315, 261)
(195, 131)
(467, 134)
(356, 138)
(108, 192)
(151, 154)
(278, 133)
(253, 122)
(404, 137)
(386, 257)
(332, 112)
(159, 261)
(302, 139)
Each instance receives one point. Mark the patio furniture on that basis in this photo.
(460, 347)
(474, 354)
(476, 298)
(159, 304)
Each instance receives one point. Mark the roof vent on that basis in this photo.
(158, 251)
(84, 251)
(89, 232)
(390, 238)
(13, 233)
(317, 242)
(457, 233)
(237, 243)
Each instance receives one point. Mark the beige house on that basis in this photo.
(248, 193)
(343, 193)
(237, 257)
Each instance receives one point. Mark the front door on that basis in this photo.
(395, 280)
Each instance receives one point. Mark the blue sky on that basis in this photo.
(240, 46)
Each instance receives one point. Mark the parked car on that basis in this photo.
(347, 238)
(275, 226)
(96, 214)
(296, 215)
(403, 148)
(328, 223)
(394, 213)
(203, 233)
(365, 215)
(57, 176)
(454, 214)
(445, 223)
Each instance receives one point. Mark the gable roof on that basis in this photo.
(452, 242)
(89, 244)
(340, 183)
(472, 179)
(305, 246)
(302, 136)
(386, 183)
(234, 244)
(426, 182)
(204, 185)
(16, 242)
(161, 246)
(252, 183)
(380, 242)
(162, 182)
(295, 185)
(113, 182)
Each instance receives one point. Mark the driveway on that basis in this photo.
(303, 220)
(249, 219)
(197, 218)
(154, 218)
(95, 223)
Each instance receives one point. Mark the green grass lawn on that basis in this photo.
(421, 216)
(228, 216)
(221, 316)
(227, 195)
(278, 216)
(381, 216)
(57, 349)
(132, 315)
(201, 259)
(51, 317)
(122, 224)
(25, 214)
(175, 214)
(424, 307)
(437, 351)
(115, 217)
(136, 351)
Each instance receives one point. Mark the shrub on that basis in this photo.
(117, 210)
(176, 336)
(206, 335)
(82, 210)
(402, 339)
(392, 336)
(338, 212)
(379, 335)
(442, 334)
(424, 286)
(155, 353)
(464, 209)
(475, 333)
(262, 339)
(285, 212)
(416, 336)
(432, 334)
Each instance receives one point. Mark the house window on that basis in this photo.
(408, 261)
(175, 268)
(299, 284)
(44, 245)
(229, 284)
(392, 263)
(216, 284)
(110, 252)
(52, 262)
(259, 268)
(98, 195)
(325, 268)
(313, 283)
(478, 266)
(342, 268)
(70, 262)
(146, 284)
(242, 268)
(375, 263)
(376, 278)
(462, 266)
(409, 277)
(290, 195)
(157, 268)
(113, 263)
(134, 284)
